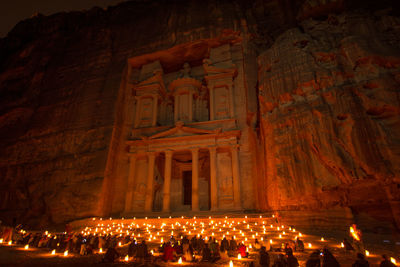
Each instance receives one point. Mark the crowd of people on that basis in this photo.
(190, 250)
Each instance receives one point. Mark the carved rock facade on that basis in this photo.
(273, 105)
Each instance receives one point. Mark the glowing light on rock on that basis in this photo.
(354, 233)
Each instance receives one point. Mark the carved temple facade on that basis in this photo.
(188, 138)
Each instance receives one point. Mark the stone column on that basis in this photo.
(195, 179)
(176, 99)
(236, 178)
(213, 179)
(150, 180)
(155, 107)
(190, 106)
(137, 113)
(231, 104)
(211, 95)
(167, 181)
(130, 184)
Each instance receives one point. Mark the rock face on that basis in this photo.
(326, 126)
(329, 100)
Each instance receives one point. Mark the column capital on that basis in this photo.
(151, 154)
(235, 147)
(169, 153)
(195, 150)
(212, 149)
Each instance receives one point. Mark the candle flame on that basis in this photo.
(126, 258)
(393, 260)
(180, 260)
(101, 250)
(230, 263)
(66, 253)
(309, 245)
(366, 253)
(239, 256)
(1, 240)
(342, 245)
(26, 246)
(10, 243)
(53, 252)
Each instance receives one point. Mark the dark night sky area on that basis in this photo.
(11, 12)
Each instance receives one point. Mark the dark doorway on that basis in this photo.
(187, 187)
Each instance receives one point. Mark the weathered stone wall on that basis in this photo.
(329, 96)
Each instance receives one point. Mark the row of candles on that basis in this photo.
(241, 229)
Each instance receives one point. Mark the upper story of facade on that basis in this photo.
(202, 86)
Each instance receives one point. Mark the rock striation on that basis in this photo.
(325, 126)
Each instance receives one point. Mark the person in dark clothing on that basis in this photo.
(280, 261)
(264, 257)
(347, 245)
(111, 255)
(386, 262)
(224, 245)
(232, 246)
(328, 260)
(361, 261)
(291, 260)
(288, 249)
(313, 260)
(141, 252)
(299, 245)
(132, 248)
(206, 253)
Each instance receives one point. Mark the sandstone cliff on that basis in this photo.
(329, 96)
(328, 101)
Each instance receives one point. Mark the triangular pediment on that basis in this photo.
(180, 130)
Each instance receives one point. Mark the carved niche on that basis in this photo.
(184, 89)
(147, 93)
(220, 72)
